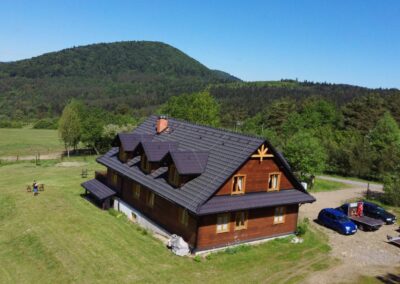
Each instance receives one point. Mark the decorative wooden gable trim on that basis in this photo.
(262, 153)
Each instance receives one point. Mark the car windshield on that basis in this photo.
(343, 219)
(380, 210)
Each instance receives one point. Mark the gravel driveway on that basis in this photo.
(365, 253)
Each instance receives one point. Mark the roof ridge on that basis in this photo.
(213, 127)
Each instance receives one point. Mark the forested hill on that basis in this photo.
(136, 77)
(135, 74)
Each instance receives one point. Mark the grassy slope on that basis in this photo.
(26, 141)
(327, 185)
(60, 237)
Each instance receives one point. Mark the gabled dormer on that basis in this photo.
(183, 166)
(128, 144)
(153, 154)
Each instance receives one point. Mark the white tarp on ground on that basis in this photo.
(178, 245)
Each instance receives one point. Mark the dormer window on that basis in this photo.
(122, 155)
(274, 181)
(145, 164)
(239, 184)
(173, 175)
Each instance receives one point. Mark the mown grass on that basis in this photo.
(59, 237)
(27, 141)
(327, 185)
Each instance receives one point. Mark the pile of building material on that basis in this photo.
(178, 245)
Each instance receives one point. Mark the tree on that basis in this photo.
(69, 128)
(385, 142)
(198, 107)
(305, 154)
(362, 113)
(391, 188)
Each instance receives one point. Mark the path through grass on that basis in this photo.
(59, 237)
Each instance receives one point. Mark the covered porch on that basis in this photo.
(99, 193)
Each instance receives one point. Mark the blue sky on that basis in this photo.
(353, 42)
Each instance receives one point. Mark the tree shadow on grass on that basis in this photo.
(389, 278)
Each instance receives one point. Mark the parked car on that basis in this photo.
(375, 211)
(337, 220)
(362, 221)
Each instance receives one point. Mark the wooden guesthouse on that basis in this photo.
(213, 187)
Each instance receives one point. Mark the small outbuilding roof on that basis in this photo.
(98, 189)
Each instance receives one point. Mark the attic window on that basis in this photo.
(173, 175)
(239, 184)
(144, 163)
(274, 180)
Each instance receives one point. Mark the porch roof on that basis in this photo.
(98, 189)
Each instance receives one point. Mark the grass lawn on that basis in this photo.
(327, 185)
(27, 141)
(59, 237)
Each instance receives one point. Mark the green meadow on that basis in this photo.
(28, 142)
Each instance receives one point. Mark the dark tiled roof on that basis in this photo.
(98, 189)
(226, 203)
(155, 151)
(190, 162)
(227, 151)
(130, 141)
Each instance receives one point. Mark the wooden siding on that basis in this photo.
(256, 173)
(260, 224)
(163, 212)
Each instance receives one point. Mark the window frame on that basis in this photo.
(144, 163)
(173, 175)
(114, 179)
(150, 197)
(245, 218)
(278, 183)
(235, 192)
(184, 217)
(281, 218)
(228, 223)
(136, 190)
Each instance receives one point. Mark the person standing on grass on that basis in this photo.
(35, 188)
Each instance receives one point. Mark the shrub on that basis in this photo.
(302, 227)
(11, 124)
(197, 258)
(45, 123)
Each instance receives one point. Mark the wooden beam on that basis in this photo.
(262, 153)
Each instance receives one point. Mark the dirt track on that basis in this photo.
(365, 253)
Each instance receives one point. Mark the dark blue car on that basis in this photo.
(337, 220)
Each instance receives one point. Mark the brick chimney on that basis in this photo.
(162, 124)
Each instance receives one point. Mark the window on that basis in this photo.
(223, 223)
(279, 216)
(136, 190)
(114, 179)
(274, 181)
(239, 184)
(150, 199)
(173, 175)
(144, 163)
(241, 220)
(122, 155)
(184, 217)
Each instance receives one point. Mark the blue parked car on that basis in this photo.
(337, 220)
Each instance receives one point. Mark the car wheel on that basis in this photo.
(361, 227)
